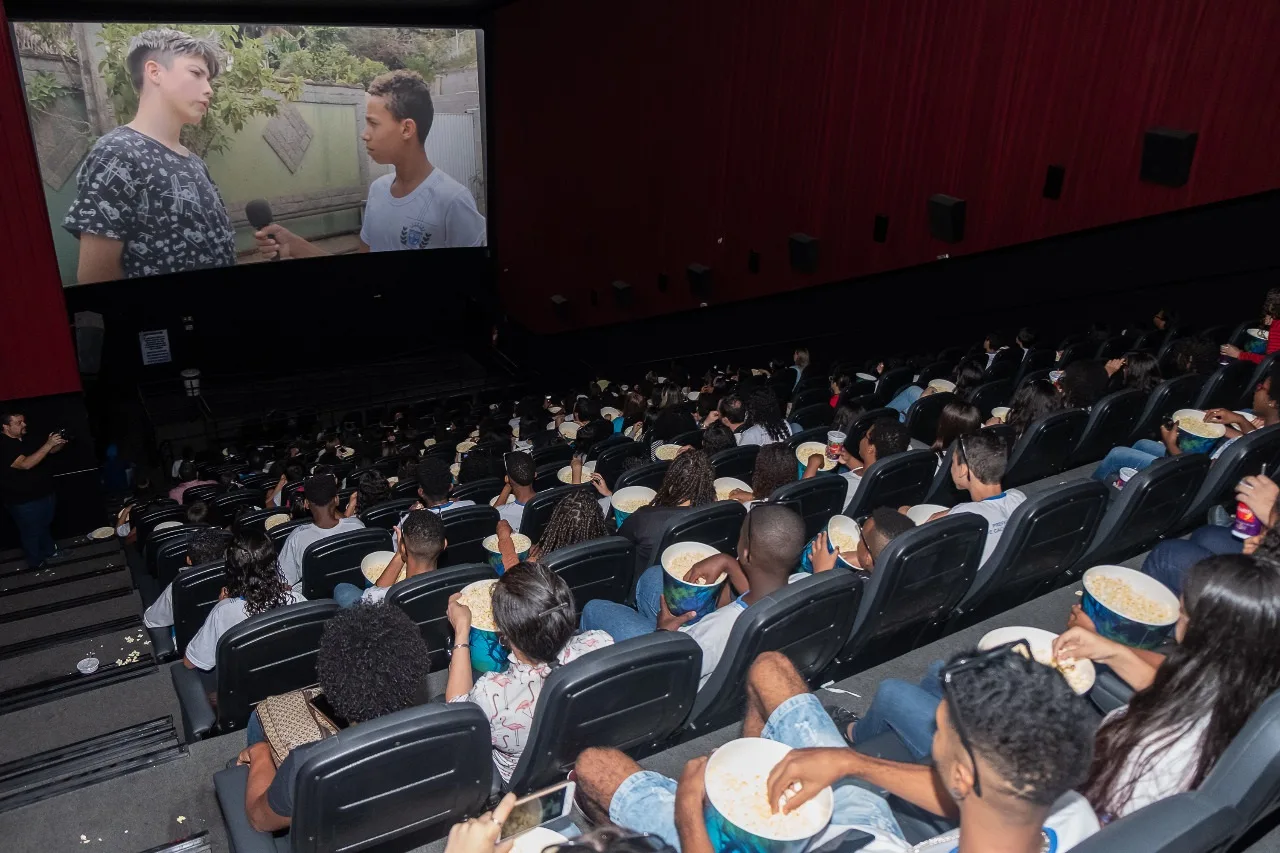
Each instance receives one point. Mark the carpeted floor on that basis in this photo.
(12, 606)
(40, 627)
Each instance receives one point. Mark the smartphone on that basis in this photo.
(538, 808)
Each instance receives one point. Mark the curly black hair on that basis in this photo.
(775, 466)
(1047, 750)
(253, 573)
(372, 662)
(690, 478)
(576, 518)
(373, 489)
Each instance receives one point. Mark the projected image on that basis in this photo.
(167, 148)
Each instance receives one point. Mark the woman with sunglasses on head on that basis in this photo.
(535, 616)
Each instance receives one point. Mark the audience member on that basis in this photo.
(188, 455)
(188, 477)
(372, 661)
(717, 437)
(372, 489)
(775, 467)
(320, 499)
(197, 514)
(435, 484)
(992, 345)
(689, 482)
(880, 528)
(254, 585)
(1139, 371)
(764, 424)
(668, 424)
(420, 540)
(517, 484)
(800, 360)
(293, 473)
(1034, 400)
(1026, 341)
(884, 438)
(534, 612)
(207, 545)
(769, 548)
(1270, 311)
(1083, 383)
(956, 419)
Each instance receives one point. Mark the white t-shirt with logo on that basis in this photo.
(300, 538)
(225, 615)
(712, 631)
(439, 214)
(996, 510)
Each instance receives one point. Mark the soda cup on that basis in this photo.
(1124, 476)
(835, 443)
(1246, 524)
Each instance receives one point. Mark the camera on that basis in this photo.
(65, 433)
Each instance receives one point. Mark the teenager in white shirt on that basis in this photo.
(207, 545)
(518, 484)
(320, 498)
(419, 542)
(769, 550)
(1009, 786)
(886, 437)
(765, 423)
(417, 207)
(254, 585)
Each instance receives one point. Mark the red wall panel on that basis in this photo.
(634, 138)
(36, 353)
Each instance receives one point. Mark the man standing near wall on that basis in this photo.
(418, 207)
(26, 486)
(145, 205)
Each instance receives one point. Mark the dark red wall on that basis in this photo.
(633, 138)
(36, 353)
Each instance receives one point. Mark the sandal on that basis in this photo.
(844, 720)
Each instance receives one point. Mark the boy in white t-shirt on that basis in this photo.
(521, 472)
(886, 437)
(1012, 742)
(417, 207)
(420, 541)
(977, 467)
(320, 497)
(207, 545)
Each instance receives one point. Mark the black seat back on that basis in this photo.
(281, 531)
(1254, 453)
(405, 489)
(893, 381)
(465, 529)
(396, 783)
(942, 488)
(631, 695)
(1247, 775)
(811, 397)
(1111, 420)
(1168, 397)
(195, 591)
(598, 568)
(818, 433)
(1261, 372)
(1045, 447)
(815, 499)
(737, 462)
(170, 558)
(649, 475)
(386, 515)
(599, 447)
(941, 369)
(538, 511)
(991, 394)
(1027, 376)
(226, 505)
(864, 421)
(145, 522)
(256, 519)
(692, 438)
(717, 524)
(561, 453)
(1043, 538)
(205, 493)
(808, 621)
(1150, 341)
(924, 414)
(898, 480)
(1078, 351)
(611, 460)
(1034, 362)
(1113, 347)
(548, 476)
(1183, 823)
(426, 599)
(267, 654)
(161, 539)
(918, 579)
(1225, 387)
(1148, 506)
(480, 491)
(816, 415)
(336, 559)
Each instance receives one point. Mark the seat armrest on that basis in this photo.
(1109, 691)
(162, 644)
(230, 785)
(198, 717)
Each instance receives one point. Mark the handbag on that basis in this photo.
(291, 720)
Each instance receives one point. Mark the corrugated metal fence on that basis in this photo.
(454, 146)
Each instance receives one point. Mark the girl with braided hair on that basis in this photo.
(688, 483)
(577, 518)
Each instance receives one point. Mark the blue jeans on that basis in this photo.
(620, 621)
(1142, 454)
(645, 801)
(253, 732)
(908, 710)
(1170, 561)
(904, 399)
(347, 594)
(34, 520)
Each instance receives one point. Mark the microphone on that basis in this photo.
(258, 212)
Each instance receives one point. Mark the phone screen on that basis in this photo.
(538, 808)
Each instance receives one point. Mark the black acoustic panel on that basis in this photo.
(1053, 177)
(880, 231)
(699, 279)
(804, 253)
(621, 293)
(1167, 154)
(946, 217)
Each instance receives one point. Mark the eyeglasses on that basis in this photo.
(961, 456)
(981, 660)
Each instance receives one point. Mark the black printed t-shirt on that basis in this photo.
(162, 206)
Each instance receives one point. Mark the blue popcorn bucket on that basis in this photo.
(522, 545)
(737, 811)
(1205, 435)
(632, 498)
(487, 654)
(1138, 611)
(682, 596)
(845, 528)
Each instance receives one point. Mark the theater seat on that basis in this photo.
(1255, 452)
(538, 511)
(426, 599)
(893, 381)
(1025, 376)
(1150, 341)
(1145, 510)
(599, 447)
(924, 414)
(818, 433)
(918, 579)
(548, 476)
(465, 528)
(394, 783)
(561, 453)
(386, 515)
(195, 591)
(206, 493)
(941, 369)
(145, 522)
(1168, 397)
(336, 559)
(1225, 387)
(1183, 823)
(1044, 537)
(942, 488)
(163, 539)
(1111, 420)
(864, 421)
(405, 489)
(650, 474)
(273, 652)
(1261, 372)
(630, 696)
(991, 394)
(255, 520)
(807, 621)
(1079, 351)
(692, 438)
(226, 505)
(738, 462)
(898, 480)
(809, 417)
(1044, 448)
(1034, 362)
(599, 568)
(280, 532)
(170, 558)
(611, 460)
(811, 397)
(1247, 775)
(815, 499)
(480, 491)
(717, 525)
